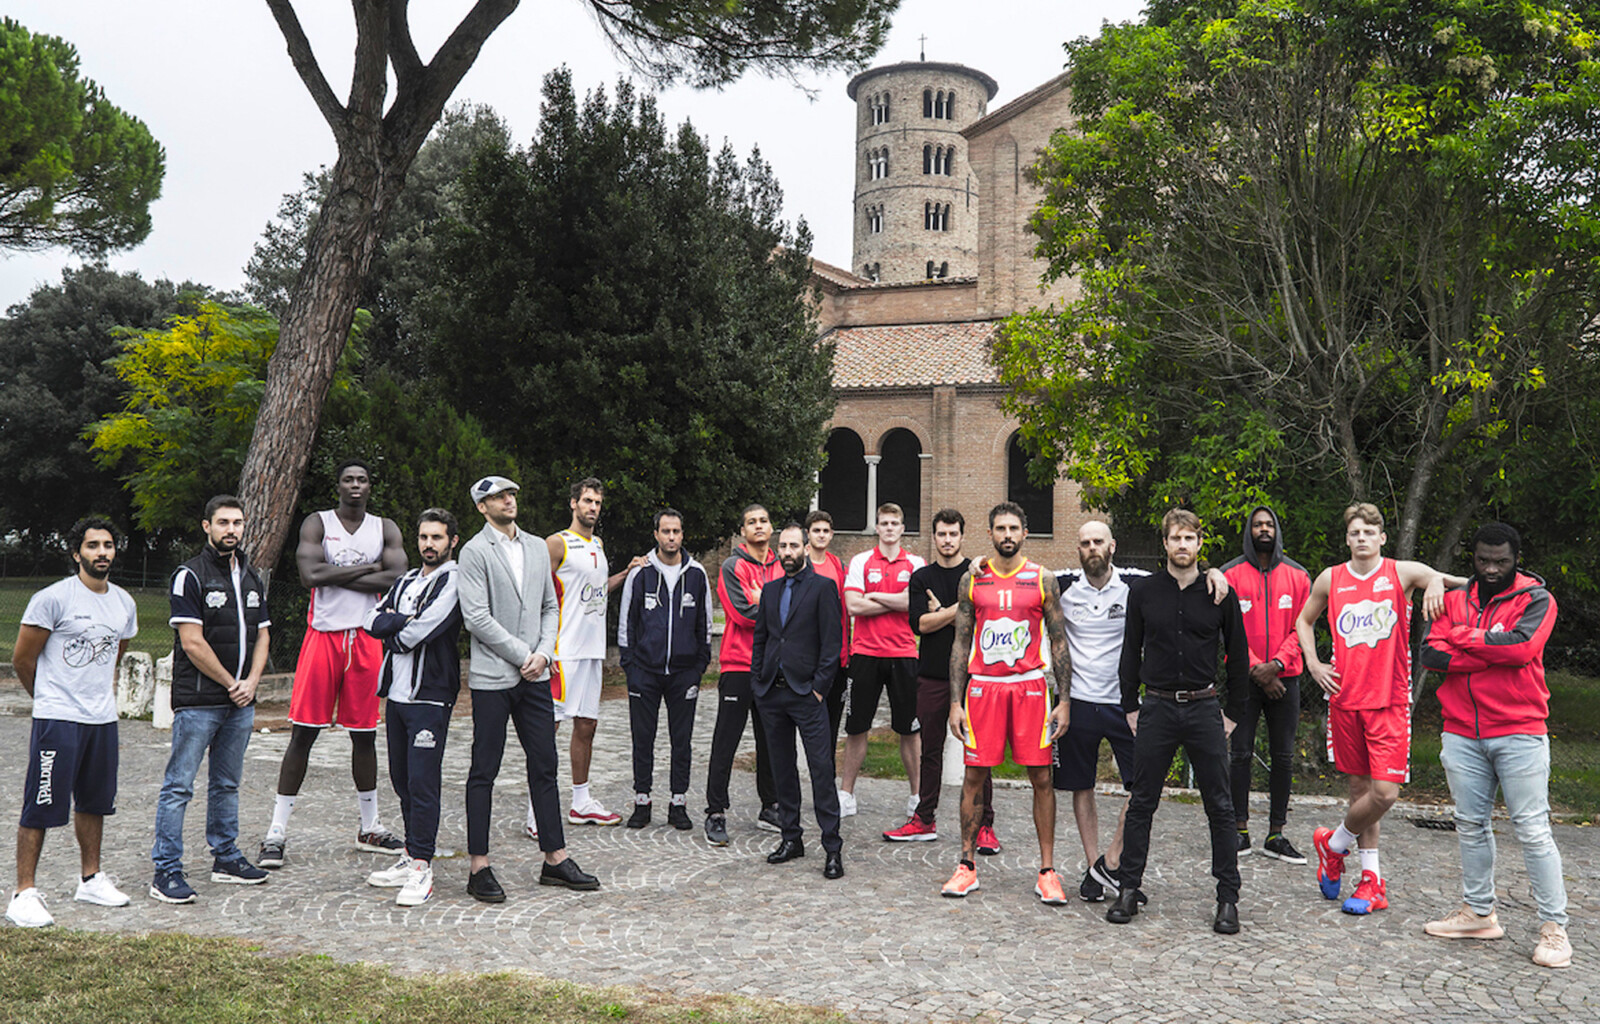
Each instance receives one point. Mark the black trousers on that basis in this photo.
(531, 711)
(1164, 726)
(646, 692)
(933, 715)
(1283, 718)
(785, 713)
(416, 735)
(733, 710)
(835, 703)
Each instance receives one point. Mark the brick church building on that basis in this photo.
(941, 257)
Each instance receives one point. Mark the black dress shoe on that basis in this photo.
(1227, 921)
(1125, 907)
(834, 867)
(568, 874)
(788, 850)
(484, 887)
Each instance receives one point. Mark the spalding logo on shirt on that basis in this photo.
(1367, 622)
(1004, 640)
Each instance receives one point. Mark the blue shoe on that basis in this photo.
(169, 887)
(1372, 894)
(237, 871)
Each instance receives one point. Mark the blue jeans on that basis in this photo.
(1520, 767)
(225, 731)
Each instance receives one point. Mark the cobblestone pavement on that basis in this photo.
(677, 915)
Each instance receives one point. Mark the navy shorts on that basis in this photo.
(71, 766)
(1077, 754)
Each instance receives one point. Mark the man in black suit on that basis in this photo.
(793, 662)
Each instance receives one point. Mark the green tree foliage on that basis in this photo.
(1326, 250)
(75, 171)
(618, 302)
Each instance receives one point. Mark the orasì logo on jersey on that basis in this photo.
(1004, 640)
(1366, 622)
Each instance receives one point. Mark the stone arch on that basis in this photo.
(1038, 502)
(842, 482)
(900, 474)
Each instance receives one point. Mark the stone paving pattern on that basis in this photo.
(677, 915)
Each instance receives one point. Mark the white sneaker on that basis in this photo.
(99, 891)
(392, 877)
(912, 803)
(1554, 949)
(419, 885)
(27, 910)
(531, 831)
(847, 804)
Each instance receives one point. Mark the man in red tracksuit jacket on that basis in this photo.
(751, 566)
(1272, 590)
(1489, 643)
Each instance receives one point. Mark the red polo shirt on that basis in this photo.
(888, 635)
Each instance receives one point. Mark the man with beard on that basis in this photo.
(1272, 589)
(1170, 648)
(73, 633)
(998, 663)
(219, 612)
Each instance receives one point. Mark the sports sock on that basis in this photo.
(580, 794)
(1342, 840)
(533, 822)
(280, 816)
(679, 800)
(642, 799)
(368, 801)
(1369, 862)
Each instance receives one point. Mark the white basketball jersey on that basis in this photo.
(334, 609)
(581, 588)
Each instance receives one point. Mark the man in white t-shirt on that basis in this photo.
(73, 634)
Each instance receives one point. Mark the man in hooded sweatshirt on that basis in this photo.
(1272, 591)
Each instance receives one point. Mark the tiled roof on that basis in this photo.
(837, 275)
(913, 355)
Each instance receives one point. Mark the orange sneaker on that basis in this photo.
(1370, 895)
(1048, 888)
(965, 880)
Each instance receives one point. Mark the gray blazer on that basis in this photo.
(506, 625)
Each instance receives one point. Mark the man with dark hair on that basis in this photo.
(219, 616)
(1272, 589)
(751, 566)
(664, 637)
(419, 623)
(73, 633)
(1170, 648)
(819, 535)
(349, 558)
(1489, 643)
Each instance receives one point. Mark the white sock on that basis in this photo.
(642, 799)
(679, 800)
(280, 816)
(1342, 840)
(1369, 862)
(368, 801)
(533, 822)
(580, 794)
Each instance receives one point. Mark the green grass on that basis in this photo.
(67, 977)
(155, 636)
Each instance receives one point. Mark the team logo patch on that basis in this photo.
(875, 576)
(1285, 602)
(688, 599)
(425, 740)
(252, 600)
(650, 602)
(1497, 628)
(1117, 611)
(905, 576)
(1366, 623)
(1004, 640)
(1384, 583)
(1244, 605)
(216, 599)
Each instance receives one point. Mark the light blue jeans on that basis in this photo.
(225, 731)
(1520, 767)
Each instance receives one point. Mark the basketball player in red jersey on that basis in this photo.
(1368, 685)
(1006, 608)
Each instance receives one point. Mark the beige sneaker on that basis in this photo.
(1553, 949)
(1465, 923)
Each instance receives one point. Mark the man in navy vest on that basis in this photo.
(219, 613)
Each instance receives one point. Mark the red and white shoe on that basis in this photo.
(965, 880)
(914, 831)
(593, 813)
(987, 842)
(1371, 894)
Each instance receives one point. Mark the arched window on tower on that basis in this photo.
(900, 475)
(950, 105)
(944, 270)
(885, 108)
(875, 220)
(927, 103)
(842, 484)
(928, 158)
(1038, 502)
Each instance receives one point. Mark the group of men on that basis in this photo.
(1006, 653)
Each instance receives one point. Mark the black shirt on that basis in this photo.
(1171, 641)
(933, 654)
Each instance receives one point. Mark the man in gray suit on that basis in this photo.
(509, 606)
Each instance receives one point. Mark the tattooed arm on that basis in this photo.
(960, 651)
(1055, 625)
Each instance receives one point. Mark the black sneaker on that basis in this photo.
(640, 816)
(1090, 890)
(271, 855)
(1105, 876)
(237, 871)
(717, 829)
(170, 887)
(1244, 843)
(569, 875)
(678, 817)
(1279, 848)
(379, 840)
(484, 887)
(768, 820)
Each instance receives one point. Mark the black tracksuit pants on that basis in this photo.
(416, 735)
(1283, 718)
(647, 691)
(733, 710)
(528, 707)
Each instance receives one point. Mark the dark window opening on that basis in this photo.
(842, 484)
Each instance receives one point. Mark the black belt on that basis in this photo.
(1182, 696)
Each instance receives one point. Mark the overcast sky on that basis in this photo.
(212, 80)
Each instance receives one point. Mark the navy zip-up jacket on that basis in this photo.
(419, 622)
(666, 631)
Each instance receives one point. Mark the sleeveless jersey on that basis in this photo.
(580, 578)
(1008, 625)
(338, 608)
(1370, 619)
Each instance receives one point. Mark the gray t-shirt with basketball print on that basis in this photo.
(75, 680)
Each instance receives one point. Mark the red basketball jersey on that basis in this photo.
(1008, 624)
(1370, 619)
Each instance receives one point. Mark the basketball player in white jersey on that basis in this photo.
(349, 559)
(583, 582)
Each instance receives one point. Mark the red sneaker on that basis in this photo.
(988, 843)
(1370, 895)
(914, 831)
(965, 880)
(1330, 865)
